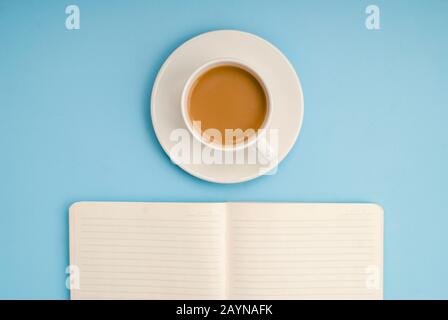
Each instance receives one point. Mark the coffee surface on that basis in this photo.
(227, 97)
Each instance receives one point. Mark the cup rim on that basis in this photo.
(201, 70)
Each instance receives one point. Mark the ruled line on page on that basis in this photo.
(151, 240)
(155, 265)
(277, 281)
(151, 233)
(153, 220)
(150, 294)
(282, 268)
(303, 240)
(151, 271)
(304, 247)
(149, 226)
(307, 295)
(301, 226)
(148, 286)
(137, 245)
(298, 220)
(300, 274)
(282, 254)
(98, 252)
(195, 261)
(175, 280)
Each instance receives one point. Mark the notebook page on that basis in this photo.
(147, 250)
(305, 251)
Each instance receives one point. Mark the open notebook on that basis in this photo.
(226, 251)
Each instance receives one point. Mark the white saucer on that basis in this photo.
(279, 76)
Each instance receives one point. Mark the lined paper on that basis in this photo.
(148, 250)
(226, 251)
(304, 251)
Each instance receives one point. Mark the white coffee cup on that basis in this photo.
(258, 139)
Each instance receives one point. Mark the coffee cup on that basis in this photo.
(228, 93)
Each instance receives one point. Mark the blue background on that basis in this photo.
(75, 123)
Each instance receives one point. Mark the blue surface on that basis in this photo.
(75, 123)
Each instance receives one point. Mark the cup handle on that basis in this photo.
(266, 151)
